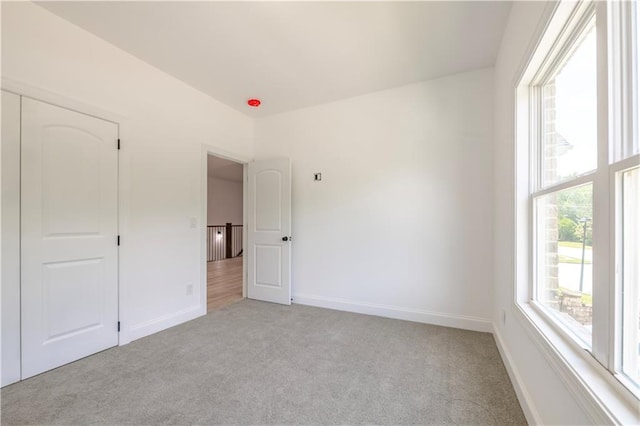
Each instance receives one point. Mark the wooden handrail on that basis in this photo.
(224, 241)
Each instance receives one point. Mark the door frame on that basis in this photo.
(213, 150)
(124, 194)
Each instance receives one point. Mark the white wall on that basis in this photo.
(163, 128)
(224, 202)
(400, 224)
(544, 396)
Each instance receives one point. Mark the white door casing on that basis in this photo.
(269, 231)
(69, 214)
(10, 238)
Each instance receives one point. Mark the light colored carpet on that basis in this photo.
(260, 363)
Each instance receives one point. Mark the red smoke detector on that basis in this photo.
(254, 103)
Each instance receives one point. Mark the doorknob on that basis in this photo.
(286, 238)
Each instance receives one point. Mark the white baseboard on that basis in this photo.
(407, 314)
(155, 325)
(530, 413)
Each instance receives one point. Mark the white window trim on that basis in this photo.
(617, 241)
(600, 393)
(623, 95)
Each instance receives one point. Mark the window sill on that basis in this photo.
(602, 397)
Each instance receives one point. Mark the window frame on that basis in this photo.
(616, 172)
(593, 374)
(583, 17)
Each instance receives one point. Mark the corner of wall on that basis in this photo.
(526, 402)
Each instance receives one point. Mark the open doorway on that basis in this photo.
(224, 245)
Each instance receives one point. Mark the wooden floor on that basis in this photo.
(224, 282)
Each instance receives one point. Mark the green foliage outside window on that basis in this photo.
(573, 208)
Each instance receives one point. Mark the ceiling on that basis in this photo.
(297, 54)
(224, 169)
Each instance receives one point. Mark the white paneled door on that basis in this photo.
(269, 231)
(69, 208)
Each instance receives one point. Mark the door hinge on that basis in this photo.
(118, 326)
(118, 143)
(118, 239)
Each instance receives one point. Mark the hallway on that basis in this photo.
(224, 282)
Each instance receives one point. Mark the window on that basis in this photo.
(636, 55)
(627, 214)
(578, 126)
(569, 113)
(564, 257)
(631, 274)
(565, 150)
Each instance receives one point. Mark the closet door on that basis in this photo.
(69, 254)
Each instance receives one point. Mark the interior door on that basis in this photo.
(69, 269)
(269, 231)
